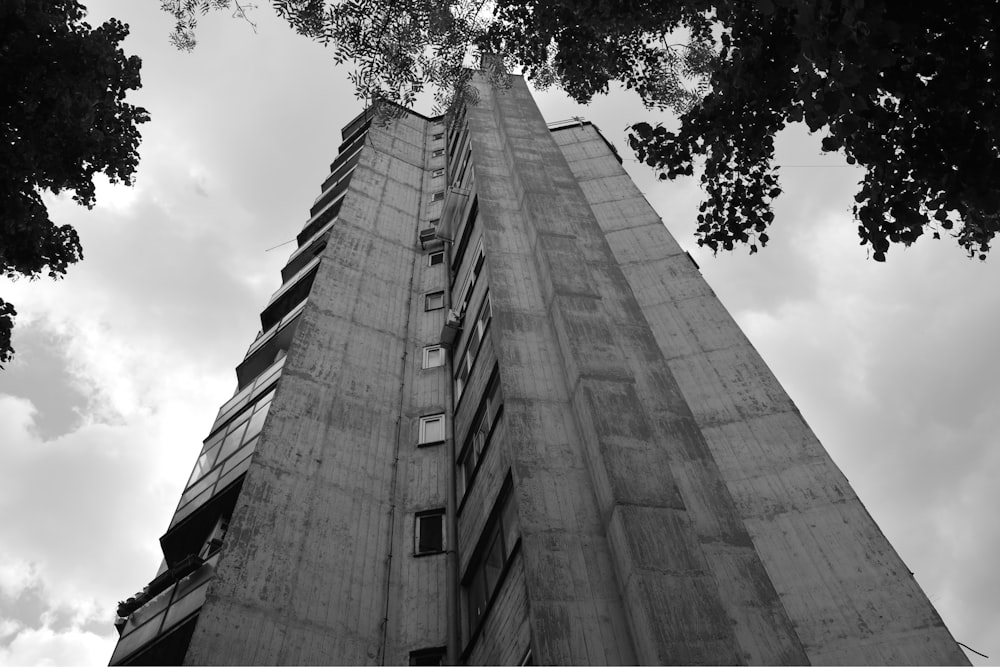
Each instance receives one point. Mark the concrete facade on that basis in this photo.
(512, 424)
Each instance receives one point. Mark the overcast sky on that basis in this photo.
(121, 367)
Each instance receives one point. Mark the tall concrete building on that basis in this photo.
(496, 416)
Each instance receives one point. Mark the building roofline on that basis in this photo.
(558, 125)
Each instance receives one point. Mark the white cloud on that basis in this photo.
(44, 646)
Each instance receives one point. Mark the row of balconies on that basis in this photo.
(268, 345)
(171, 599)
(305, 252)
(336, 183)
(318, 221)
(289, 295)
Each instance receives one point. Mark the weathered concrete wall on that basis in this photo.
(672, 506)
(849, 596)
(326, 514)
(592, 408)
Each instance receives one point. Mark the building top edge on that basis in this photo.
(580, 122)
(369, 112)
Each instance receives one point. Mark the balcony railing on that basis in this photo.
(300, 256)
(244, 396)
(319, 220)
(331, 193)
(164, 611)
(267, 345)
(270, 333)
(289, 295)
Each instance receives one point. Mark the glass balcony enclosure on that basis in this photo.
(164, 613)
(319, 220)
(289, 295)
(306, 252)
(263, 351)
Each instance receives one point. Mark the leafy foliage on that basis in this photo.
(64, 119)
(909, 95)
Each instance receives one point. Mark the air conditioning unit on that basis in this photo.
(452, 327)
(428, 235)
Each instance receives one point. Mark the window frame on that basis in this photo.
(479, 437)
(428, 307)
(504, 509)
(463, 241)
(418, 519)
(426, 360)
(439, 255)
(422, 436)
(463, 368)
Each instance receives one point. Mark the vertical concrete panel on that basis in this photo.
(849, 596)
(586, 301)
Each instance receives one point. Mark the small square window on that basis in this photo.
(431, 429)
(434, 301)
(433, 356)
(438, 152)
(428, 656)
(435, 258)
(438, 136)
(438, 196)
(437, 172)
(428, 532)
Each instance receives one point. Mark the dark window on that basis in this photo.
(490, 559)
(438, 196)
(428, 532)
(437, 172)
(435, 259)
(465, 164)
(438, 136)
(214, 541)
(470, 223)
(437, 152)
(428, 656)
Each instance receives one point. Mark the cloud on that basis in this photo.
(44, 646)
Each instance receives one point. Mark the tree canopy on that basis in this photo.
(64, 120)
(909, 95)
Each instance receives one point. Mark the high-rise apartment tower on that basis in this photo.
(496, 416)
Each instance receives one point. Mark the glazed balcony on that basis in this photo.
(266, 347)
(289, 295)
(307, 251)
(248, 394)
(159, 630)
(320, 220)
(336, 184)
(357, 126)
